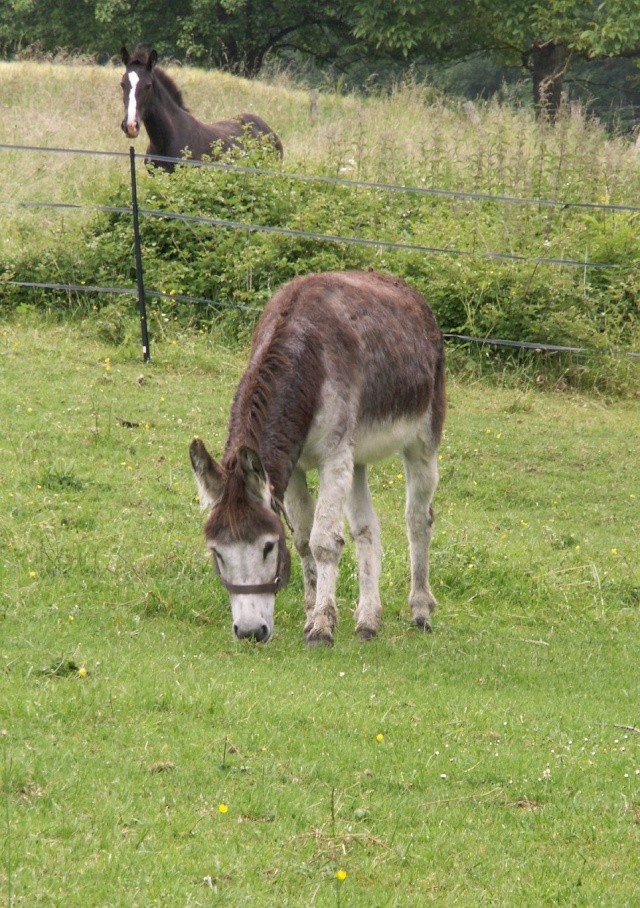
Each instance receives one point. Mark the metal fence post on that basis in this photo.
(142, 306)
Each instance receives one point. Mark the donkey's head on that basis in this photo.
(244, 535)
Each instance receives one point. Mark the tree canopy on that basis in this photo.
(542, 36)
(239, 35)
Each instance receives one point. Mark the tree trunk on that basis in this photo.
(548, 64)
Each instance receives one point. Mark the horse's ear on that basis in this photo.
(153, 59)
(208, 474)
(253, 473)
(124, 55)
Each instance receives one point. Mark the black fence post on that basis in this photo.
(142, 306)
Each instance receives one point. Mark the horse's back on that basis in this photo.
(345, 294)
(260, 127)
(369, 315)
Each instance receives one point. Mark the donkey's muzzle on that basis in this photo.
(260, 633)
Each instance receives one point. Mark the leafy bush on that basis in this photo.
(269, 229)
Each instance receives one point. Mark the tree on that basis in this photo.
(231, 34)
(543, 36)
(239, 34)
(91, 27)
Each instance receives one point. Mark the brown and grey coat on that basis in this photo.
(346, 368)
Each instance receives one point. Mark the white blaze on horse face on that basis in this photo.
(132, 120)
(250, 564)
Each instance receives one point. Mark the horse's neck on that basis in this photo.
(163, 119)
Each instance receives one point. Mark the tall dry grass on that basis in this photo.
(412, 134)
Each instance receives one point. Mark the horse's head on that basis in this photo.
(244, 535)
(137, 88)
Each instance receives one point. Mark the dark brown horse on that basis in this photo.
(346, 368)
(153, 98)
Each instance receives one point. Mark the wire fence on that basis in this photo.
(142, 293)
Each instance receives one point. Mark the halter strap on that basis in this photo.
(282, 569)
(238, 589)
(248, 589)
(278, 507)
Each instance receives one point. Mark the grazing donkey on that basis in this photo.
(346, 368)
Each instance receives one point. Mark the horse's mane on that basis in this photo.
(140, 57)
(170, 86)
(261, 415)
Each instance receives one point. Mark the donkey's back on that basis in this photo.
(365, 351)
(345, 368)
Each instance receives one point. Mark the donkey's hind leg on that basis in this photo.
(421, 472)
(300, 507)
(365, 531)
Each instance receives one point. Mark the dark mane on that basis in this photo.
(168, 83)
(255, 395)
(237, 515)
(276, 398)
(138, 57)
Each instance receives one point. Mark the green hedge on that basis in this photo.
(471, 294)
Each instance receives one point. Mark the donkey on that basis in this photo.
(346, 368)
(152, 97)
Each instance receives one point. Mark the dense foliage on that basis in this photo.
(473, 289)
(473, 215)
(545, 38)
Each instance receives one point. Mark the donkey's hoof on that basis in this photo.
(423, 623)
(319, 638)
(366, 633)
(422, 606)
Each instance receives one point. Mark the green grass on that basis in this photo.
(502, 776)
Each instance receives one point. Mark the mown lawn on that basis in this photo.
(148, 759)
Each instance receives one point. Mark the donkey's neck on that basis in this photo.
(272, 416)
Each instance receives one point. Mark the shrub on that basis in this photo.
(269, 228)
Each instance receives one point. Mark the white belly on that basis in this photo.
(373, 442)
(377, 442)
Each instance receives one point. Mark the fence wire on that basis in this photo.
(216, 304)
(319, 237)
(342, 181)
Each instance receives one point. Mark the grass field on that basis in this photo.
(149, 760)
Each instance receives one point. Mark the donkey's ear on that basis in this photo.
(208, 474)
(255, 478)
(153, 59)
(124, 55)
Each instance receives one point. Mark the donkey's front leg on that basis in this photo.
(421, 472)
(300, 507)
(327, 543)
